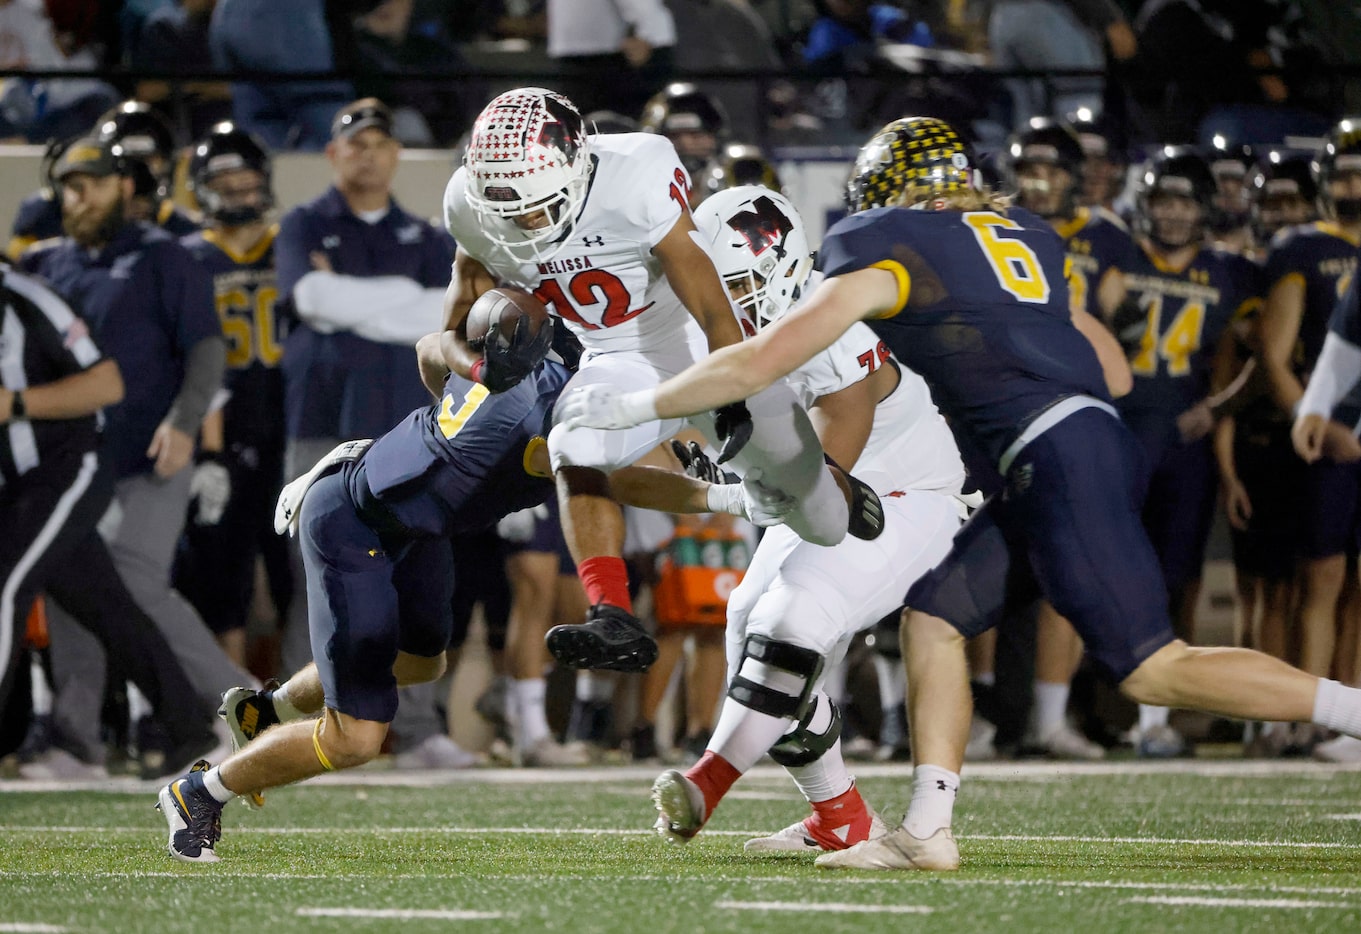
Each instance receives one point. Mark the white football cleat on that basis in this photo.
(549, 753)
(898, 849)
(796, 839)
(1065, 742)
(680, 807)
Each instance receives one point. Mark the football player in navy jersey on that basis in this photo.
(1047, 163)
(1307, 271)
(374, 521)
(970, 294)
(1185, 295)
(240, 460)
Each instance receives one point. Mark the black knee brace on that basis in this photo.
(801, 746)
(795, 659)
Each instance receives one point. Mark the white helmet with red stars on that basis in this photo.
(528, 159)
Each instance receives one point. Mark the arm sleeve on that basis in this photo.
(203, 369)
(387, 309)
(1338, 370)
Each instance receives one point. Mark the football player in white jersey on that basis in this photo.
(598, 228)
(800, 604)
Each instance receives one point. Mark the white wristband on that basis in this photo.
(727, 497)
(638, 408)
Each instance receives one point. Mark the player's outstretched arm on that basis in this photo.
(736, 372)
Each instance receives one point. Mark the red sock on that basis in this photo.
(606, 581)
(714, 775)
(841, 822)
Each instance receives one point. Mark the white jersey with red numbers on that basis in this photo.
(910, 447)
(604, 281)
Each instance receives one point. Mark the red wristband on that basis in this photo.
(475, 371)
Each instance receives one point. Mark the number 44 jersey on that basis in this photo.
(982, 312)
(603, 281)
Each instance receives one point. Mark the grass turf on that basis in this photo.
(1195, 847)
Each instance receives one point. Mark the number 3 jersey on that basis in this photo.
(982, 312)
(604, 282)
(245, 292)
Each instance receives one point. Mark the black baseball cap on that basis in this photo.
(89, 156)
(362, 114)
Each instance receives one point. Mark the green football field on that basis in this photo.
(1192, 846)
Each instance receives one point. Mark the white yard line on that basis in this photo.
(983, 772)
(402, 914)
(834, 907)
(1291, 903)
(25, 927)
(638, 832)
(827, 879)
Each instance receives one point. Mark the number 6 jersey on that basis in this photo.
(604, 281)
(982, 312)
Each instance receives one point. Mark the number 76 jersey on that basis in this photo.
(604, 282)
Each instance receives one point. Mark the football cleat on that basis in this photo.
(866, 521)
(193, 815)
(797, 838)
(248, 713)
(680, 807)
(898, 849)
(611, 639)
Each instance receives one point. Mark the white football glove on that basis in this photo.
(518, 527)
(602, 406)
(288, 511)
(766, 506)
(212, 487)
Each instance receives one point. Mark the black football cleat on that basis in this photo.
(867, 512)
(193, 816)
(611, 639)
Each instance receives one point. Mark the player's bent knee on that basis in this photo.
(1155, 680)
(804, 745)
(776, 678)
(417, 669)
(344, 742)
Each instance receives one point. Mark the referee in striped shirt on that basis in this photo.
(53, 491)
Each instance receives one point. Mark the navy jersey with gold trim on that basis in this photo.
(1322, 257)
(1097, 242)
(245, 292)
(1185, 312)
(463, 463)
(982, 315)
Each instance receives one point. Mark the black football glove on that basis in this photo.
(733, 424)
(509, 361)
(697, 464)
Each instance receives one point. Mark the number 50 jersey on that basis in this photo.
(604, 282)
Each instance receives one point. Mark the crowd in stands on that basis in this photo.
(264, 337)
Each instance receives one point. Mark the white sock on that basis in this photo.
(1051, 706)
(212, 782)
(985, 678)
(824, 778)
(933, 800)
(1150, 717)
(527, 696)
(1338, 707)
(593, 687)
(283, 707)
